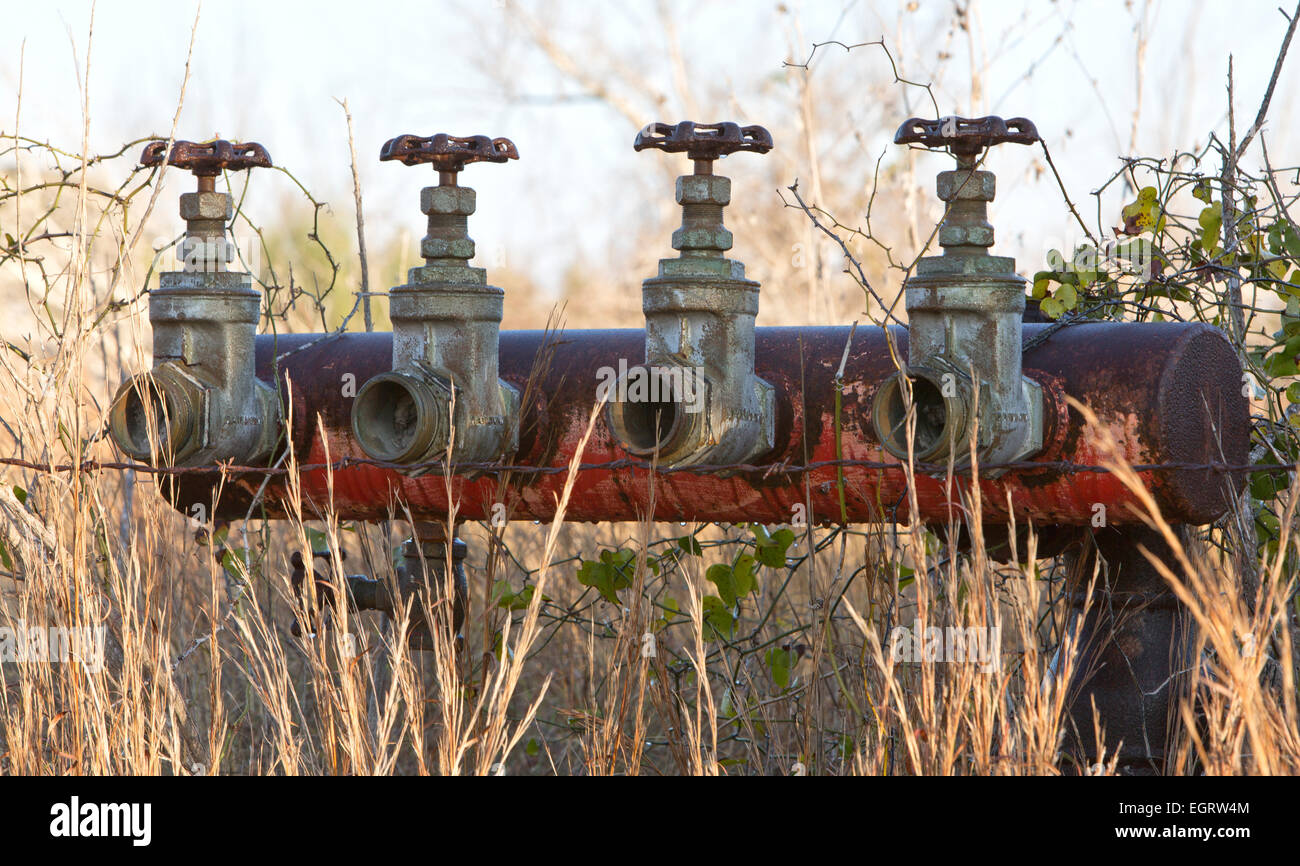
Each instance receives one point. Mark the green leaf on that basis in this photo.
(1067, 296)
(772, 552)
(690, 544)
(1052, 308)
(4, 557)
(904, 576)
(233, 562)
(1280, 364)
(508, 599)
(319, 541)
(1211, 221)
(1291, 240)
(612, 572)
(719, 624)
(215, 539)
(20, 495)
(780, 662)
(672, 610)
(1144, 214)
(1265, 486)
(745, 573)
(724, 579)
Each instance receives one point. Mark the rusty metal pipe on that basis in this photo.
(1170, 393)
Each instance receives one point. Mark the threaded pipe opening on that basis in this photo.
(146, 419)
(399, 419)
(653, 409)
(940, 415)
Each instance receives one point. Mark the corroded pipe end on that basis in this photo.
(659, 411)
(158, 413)
(402, 417)
(942, 415)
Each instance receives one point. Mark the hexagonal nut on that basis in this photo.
(975, 236)
(704, 189)
(448, 200)
(702, 239)
(981, 186)
(201, 255)
(441, 271)
(441, 248)
(207, 206)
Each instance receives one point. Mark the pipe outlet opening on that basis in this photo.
(401, 418)
(654, 409)
(151, 415)
(940, 414)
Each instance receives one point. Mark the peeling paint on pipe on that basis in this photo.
(1170, 392)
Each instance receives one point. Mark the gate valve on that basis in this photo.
(203, 402)
(964, 136)
(207, 211)
(446, 325)
(448, 204)
(703, 142)
(966, 191)
(364, 593)
(422, 571)
(965, 310)
(705, 404)
(449, 154)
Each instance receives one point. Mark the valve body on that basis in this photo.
(965, 311)
(442, 398)
(202, 403)
(697, 399)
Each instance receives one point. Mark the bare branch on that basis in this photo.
(1272, 83)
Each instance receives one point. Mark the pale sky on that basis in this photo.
(271, 71)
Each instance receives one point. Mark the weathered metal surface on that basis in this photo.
(201, 403)
(696, 399)
(207, 158)
(1135, 649)
(703, 142)
(448, 154)
(965, 311)
(445, 325)
(965, 135)
(1168, 392)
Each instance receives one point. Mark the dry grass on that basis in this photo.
(202, 675)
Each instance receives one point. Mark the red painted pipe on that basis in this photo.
(1171, 393)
